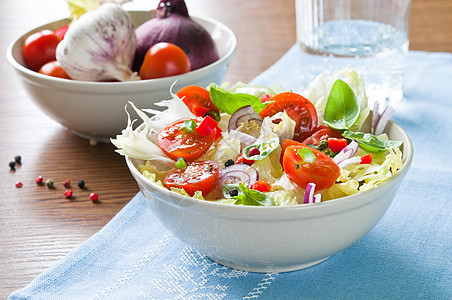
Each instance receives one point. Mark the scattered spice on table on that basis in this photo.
(50, 183)
(81, 184)
(39, 180)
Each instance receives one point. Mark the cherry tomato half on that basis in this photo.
(197, 176)
(298, 108)
(61, 32)
(53, 68)
(164, 59)
(323, 171)
(39, 48)
(197, 100)
(176, 143)
(322, 133)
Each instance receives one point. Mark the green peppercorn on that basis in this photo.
(50, 183)
(322, 145)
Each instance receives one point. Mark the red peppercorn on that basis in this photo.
(67, 183)
(68, 193)
(39, 180)
(94, 197)
(253, 151)
(19, 184)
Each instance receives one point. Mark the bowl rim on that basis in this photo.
(310, 206)
(158, 81)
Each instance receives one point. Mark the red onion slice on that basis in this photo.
(309, 193)
(243, 114)
(238, 173)
(375, 116)
(347, 152)
(383, 120)
(317, 198)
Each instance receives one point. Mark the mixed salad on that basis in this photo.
(254, 145)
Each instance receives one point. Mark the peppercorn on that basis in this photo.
(229, 162)
(50, 183)
(94, 197)
(233, 192)
(19, 184)
(253, 151)
(67, 183)
(81, 184)
(12, 165)
(323, 144)
(39, 180)
(18, 159)
(68, 193)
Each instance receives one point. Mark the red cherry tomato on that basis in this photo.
(323, 171)
(197, 176)
(164, 59)
(53, 68)
(322, 133)
(286, 143)
(176, 143)
(197, 100)
(39, 48)
(61, 32)
(298, 108)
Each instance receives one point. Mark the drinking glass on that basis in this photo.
(369, 36)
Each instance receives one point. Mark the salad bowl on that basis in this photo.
(273, 238)
(95, 110)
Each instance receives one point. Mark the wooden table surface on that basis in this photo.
(39, 226)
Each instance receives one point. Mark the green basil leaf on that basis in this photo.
(253, 197)
(229, 103)
(370, 142)
(342, 110)
(264, 149)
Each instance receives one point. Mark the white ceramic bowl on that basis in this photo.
(95, 110)
(273, 239)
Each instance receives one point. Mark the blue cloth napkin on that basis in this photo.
(406, 256)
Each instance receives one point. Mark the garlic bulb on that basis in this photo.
(99, 46)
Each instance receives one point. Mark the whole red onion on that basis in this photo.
(172, 24)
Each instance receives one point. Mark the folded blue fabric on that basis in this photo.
(406, 256)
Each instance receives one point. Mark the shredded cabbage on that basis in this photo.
(362, 177)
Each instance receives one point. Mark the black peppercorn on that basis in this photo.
(233, 192)
(81, 184)
(12, 165)
(229, 162)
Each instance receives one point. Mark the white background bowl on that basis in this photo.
(273, 239)
(95, 110)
